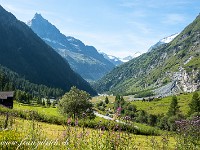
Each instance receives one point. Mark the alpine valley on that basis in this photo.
(58, 93)
(24, 55)
(83, 59)
(166, 69)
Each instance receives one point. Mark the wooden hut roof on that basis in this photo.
(5, 95)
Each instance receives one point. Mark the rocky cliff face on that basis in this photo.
(188, 81)
(181, 81)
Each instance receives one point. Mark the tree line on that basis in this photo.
(124, 110)
(11, 81)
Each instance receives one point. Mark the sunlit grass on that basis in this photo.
(85, 138)
(96, 138)
(45, 110)
(154, 107)
(162, 106)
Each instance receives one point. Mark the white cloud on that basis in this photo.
(143, 28)
(173, 19)
(24, 14)
(129, 4)
(117, 44)
(116, 28)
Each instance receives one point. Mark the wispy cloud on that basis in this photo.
(19, 11)
(140, 27)
(116, 27)
(118, 44)
(130, 4)
(172, 19)
(153, 3)
(140, 13)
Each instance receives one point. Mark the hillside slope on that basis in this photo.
(11, 81)
(83, 59)
(170, 68)
(163, 41)
(22, 51)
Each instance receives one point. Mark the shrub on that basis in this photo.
(188, 133)
(152, 120)
(144, 94)
(163, 123)
(141, 117)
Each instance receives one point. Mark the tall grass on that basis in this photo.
(60, 120)
(31, 134)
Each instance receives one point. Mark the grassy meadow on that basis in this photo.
(37, 127)
(67, 137)
(53, 111)
(157, 106)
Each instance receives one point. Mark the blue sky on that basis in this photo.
(116, 27)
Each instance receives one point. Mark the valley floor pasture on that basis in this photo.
(32, 126)
(157, 106)
(30, 134)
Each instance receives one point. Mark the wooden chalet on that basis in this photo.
(6, 98)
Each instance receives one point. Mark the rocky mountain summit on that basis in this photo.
(83, 59)
(24, 53)
(119, 60)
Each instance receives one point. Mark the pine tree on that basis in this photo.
(174, 108)
(122, 101)
(17, 95)
(117, 102)
(43, 103)
(195, 104)
(48, 103)
(106, 100)
(39, 101)
(1, 81)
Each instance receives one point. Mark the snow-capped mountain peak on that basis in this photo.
(163, 41)
(169, 38)
(117, 60)
(127, 58)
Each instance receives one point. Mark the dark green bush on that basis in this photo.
(144, 94)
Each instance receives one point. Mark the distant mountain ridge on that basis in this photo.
(23, 52)
(165, 40)
(115, 60)
(128, 58)
(83, 59)
(118, 61)
(167, 69)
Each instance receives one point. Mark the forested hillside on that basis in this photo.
(23, 52)
(10, 81)
(170, 68)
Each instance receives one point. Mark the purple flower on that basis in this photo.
(119, 109)
(76, 122)
(103, 128)
(68, 121)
